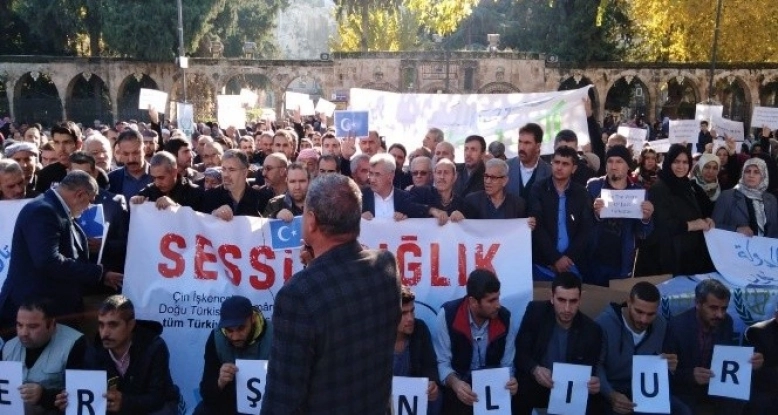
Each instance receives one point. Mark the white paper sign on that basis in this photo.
(489, 386)
(85, 391)
(325, 107)
(622, 203)
(185, 117)
(231, 111)
(307, 108)
(409, 395)
(294, 100)
(248, 97)
(731, 372)
(705, 112)
(765, 116)
(635, 136)
(250, 384)
(9, 211)
(152, 98)
(661, 146)
(725, 127)
(650, 385)
(570, 393)
(10, 380)
(684, 131)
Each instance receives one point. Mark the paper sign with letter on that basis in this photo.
(152, 98)
(351, 123)
(286, 235)
(570, 393)
(705, 112)
(622, 203)
(731, 372)
(765, 116)
(85, 391)
(10, 380)
(635, 136)
(650, 385)
(231, 112)
(684, 131)
(294, 100)
(409, 395)
(725, 127)
(489, 385)
(325, 107)
(250, 384)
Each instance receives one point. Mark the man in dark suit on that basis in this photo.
(555, 331)
(692, 335)
(764, 337)
(130, 179)
(527, 168)
(383, 200)
(335, 322)
(49, 252)
(470, 174)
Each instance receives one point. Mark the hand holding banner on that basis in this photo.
(650, 385)
(250, 383)
(622, 203)
(489, 386)
(409, 395)
(570, 392)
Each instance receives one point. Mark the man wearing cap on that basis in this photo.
(613, 251)
(26, 154)
(309, 158)
(243, 333)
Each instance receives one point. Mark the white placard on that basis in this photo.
(765, 116)
(622, 203)
(661, 146)
(185, 117)
(635, 136)
(10, 379)
(325, 107)
(294, 100)
(570, 392)
(705, 112)
(307, 107)
(489, 386)
(183, 62)
(250, 384)
(725, 127)
(152, 98)
(684, 131)
(85, 391)
(731, 372)
(650, 385)
(248, 97)
(9, 211)
(409, 395)
(231, 112)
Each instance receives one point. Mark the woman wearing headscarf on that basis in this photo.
(748, 208)
(679, 219)
(648, 168)
(705, 175)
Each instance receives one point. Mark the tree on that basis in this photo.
(363, 8)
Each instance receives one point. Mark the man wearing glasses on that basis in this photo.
(234, 197)
(473, 333)
(421, 172)
(494, 202)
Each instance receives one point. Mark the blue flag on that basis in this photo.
(92, 221)
(286, 235)
(351, 123)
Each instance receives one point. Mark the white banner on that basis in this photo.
(181, 265)
(729, 128)
(765, 116)
(705, 112)
(405, 118)
(152, 98)
(684, 131)
(622, 203)
(743, 260)
(9, 210)
(636, 137)
(230, 111)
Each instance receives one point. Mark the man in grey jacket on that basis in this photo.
(632, 328)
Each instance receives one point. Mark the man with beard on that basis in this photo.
(134, 176)
(476, 323)
(181, 148)
(234, 196)
(150, 145)
(615, 239)
(26, 154)
(692, 335)
(555, 331)
(289, 205)
(441, 194)
(12, 185)
(243, 333)
(527, 168)
(470, 174)
(168, 187)
(493, 202)
(100, 148)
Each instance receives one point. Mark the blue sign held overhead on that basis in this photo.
(286, 235)
(92, 221)
(351, 123)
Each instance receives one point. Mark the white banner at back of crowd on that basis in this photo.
(405, 118)
(742, 260)
(9, 210)
(181, 265)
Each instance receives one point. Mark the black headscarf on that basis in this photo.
(677, 185)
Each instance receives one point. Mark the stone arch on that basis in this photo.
(259, 83)
(499, 88)
(733, 93)
(677, 98)
(306, 84)
(577, 81)
(380, 86)
(36, 99)
(200, 92)
(129, 93)
(627, 95)
(88, 100)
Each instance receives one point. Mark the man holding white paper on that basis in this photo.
(473, 333)
(692, 335)
(615, 239)
(555, 332)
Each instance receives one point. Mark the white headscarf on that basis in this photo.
(755, 193)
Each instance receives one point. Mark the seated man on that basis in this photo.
(691, 335)
(243, 333)
(45, 349)
(555, 331)
(135, 357)
(473, 323)
(413, 352)
(764, 337)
